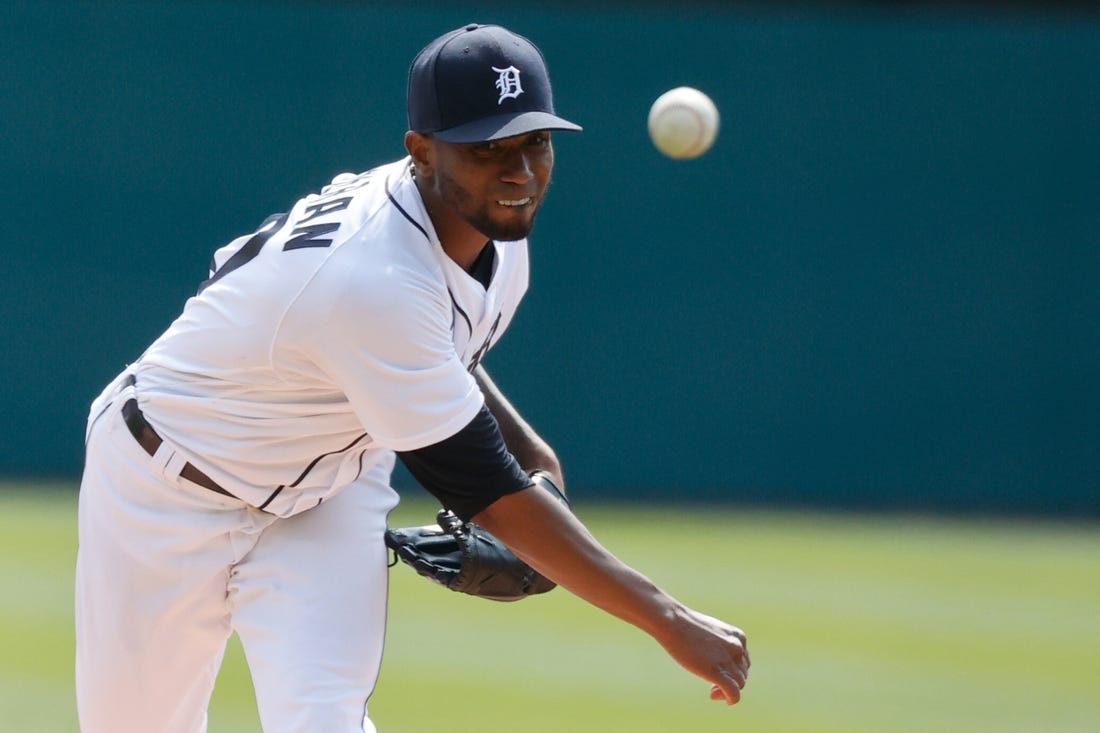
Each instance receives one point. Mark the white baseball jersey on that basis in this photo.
(333, 335)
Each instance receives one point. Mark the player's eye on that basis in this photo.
(487, 148)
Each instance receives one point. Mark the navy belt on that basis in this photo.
(148, 439)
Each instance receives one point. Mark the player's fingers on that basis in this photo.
(744, 662)
(744, 645)
(738, 644)
(737, 673)
(728, 687)
(739, 659)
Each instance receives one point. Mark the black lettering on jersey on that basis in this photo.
(248, 251)
(304, 236)
(485, 345)
(326, 207)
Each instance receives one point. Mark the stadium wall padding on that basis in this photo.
(878, 290)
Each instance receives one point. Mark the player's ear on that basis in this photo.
(420, 148)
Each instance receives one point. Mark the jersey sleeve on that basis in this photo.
(469, 470)
(382, 336)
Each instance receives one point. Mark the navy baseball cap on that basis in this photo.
(478, 83)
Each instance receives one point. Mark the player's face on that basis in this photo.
(496, 187)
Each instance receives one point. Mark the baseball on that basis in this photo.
(683, 123)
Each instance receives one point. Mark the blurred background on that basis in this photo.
(879, 289)
(876, 298)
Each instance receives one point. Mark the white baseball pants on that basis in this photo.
(166, 570)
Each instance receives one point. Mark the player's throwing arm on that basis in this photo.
(551, 539)
(524, 543)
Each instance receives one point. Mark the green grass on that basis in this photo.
(856, 624)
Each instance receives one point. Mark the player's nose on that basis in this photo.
(517, 168)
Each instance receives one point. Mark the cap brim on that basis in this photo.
(506, 125)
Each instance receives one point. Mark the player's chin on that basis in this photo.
(510, 223)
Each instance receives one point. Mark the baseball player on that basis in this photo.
(237, 476)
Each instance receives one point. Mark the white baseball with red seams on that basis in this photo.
(683, 123)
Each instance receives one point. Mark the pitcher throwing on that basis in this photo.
(237, 476)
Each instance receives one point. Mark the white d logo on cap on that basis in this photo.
(508, 83)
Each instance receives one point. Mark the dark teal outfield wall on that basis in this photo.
(880, 289)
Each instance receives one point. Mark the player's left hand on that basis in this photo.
(467, 558)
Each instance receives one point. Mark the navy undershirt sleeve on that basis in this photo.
(469, 470)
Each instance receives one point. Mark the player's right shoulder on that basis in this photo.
(369, 297)
(379, 270)
(367, 258)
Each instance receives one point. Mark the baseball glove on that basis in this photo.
(466, 558)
